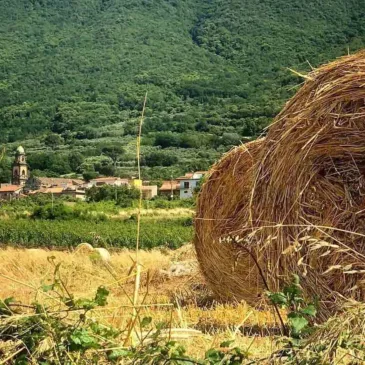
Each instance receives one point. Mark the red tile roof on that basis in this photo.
(102, 179)
(167, 185)
(56, 190)
(186, 176)
(54, 181)
(10, 188)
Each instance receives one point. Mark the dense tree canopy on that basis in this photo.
(216, 73)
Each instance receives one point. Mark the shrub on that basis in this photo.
(52, 212)
(122, 195)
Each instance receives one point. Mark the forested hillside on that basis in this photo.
(73, 74)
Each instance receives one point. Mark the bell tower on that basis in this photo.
(20, 167)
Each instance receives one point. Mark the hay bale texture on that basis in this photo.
(223, 206)
(305, 209)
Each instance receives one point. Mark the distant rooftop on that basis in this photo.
(192, 175)
(59, 181)
(9, 188)
(168, 185)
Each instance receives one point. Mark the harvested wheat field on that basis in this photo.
(168, 293)
(296, 204)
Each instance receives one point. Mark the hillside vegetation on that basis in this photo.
(73, 75)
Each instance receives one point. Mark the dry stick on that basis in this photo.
(139, 177)
(138, 267)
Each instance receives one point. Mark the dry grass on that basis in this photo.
(184, 301)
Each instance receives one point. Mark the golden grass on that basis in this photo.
(175, 300)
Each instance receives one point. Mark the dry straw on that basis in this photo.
(222, 207)
(299, 205)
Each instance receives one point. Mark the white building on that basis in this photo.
(189, 182)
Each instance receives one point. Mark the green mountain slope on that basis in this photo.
(215, 72)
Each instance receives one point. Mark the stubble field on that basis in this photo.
(172, 290)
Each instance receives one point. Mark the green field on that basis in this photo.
(111, 233)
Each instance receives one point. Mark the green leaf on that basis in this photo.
(310, 310)
(146, 321)
(47, 288)
(278, 299)
(293, 291)
(86, 304)
(297, 322)
(83, 339)
(9, 300)
(226, 343)
(101, 296)
(213, 355)
(117, 354)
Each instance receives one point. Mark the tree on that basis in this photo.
(105, 169)
(5, 168)
(89, 175)
(53, 140)
(167, 139)
(121, 195)
(115, 152)
(160, 159)
(202, 126)
(76, 159)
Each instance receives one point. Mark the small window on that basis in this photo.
(186, 185)
(23, 172)
(185, 192)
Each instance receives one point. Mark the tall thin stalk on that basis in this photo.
(139, 177)
(137, 264)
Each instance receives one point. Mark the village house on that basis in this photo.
(189, 182)
(10, 192)
(37, 183)
(170, 188)
(182, 187)
(149, 191)
(75, 193)
(61, 191)
(113, 181)
(55, 191)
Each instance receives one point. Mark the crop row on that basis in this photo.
(111, 233)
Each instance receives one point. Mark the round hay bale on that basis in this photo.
(300, 209)
(103, 254)
(310, 187)
(223, 208)
(84, 248)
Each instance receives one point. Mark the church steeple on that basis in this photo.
(20, 167)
